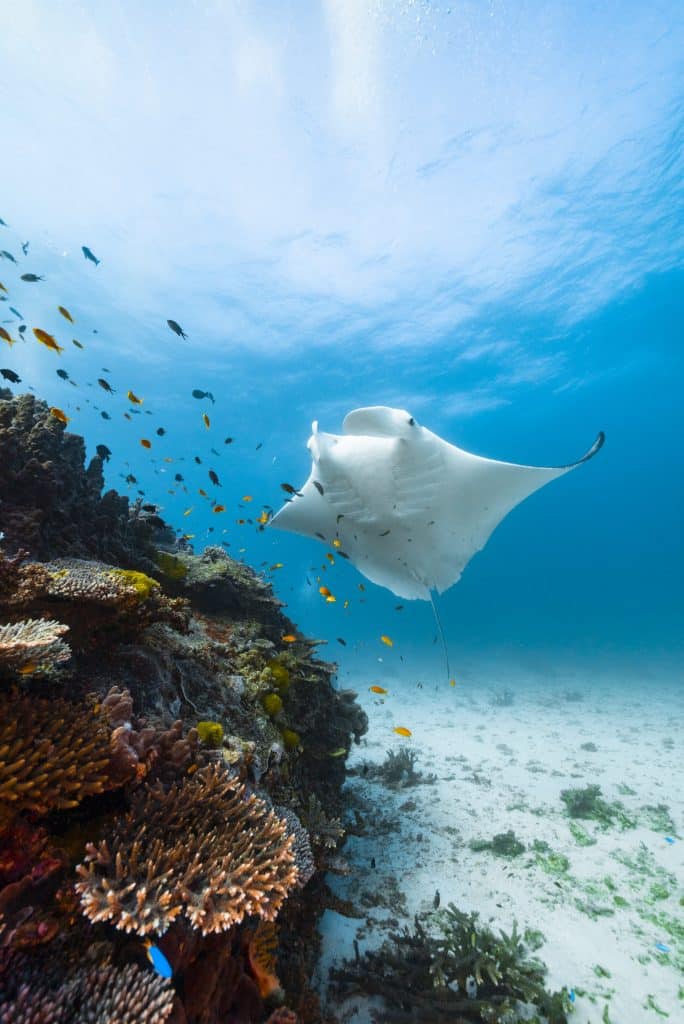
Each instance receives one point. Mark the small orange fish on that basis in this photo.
(219, 508)
(241, 522)
(66, 314)
(324, 591)
(134, 398)
(337, 543)
(402, 731)
(330, 558)
(59, 415)
(28, 669)
(207, 421)
(378, 689)
(387, 640)
(203, 493)
(46, 339)
(6, 336)
(331, 599)
(144, 442)
(289, 638)
(247, 497)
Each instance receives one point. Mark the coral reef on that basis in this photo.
(134, 747)
(203, 848)
(33, 646)
(450, 969)
(53, 754)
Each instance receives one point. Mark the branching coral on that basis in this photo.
(52, 754)
(33, 646)
(463, 972)
(203, 848)
(101, 994)
(324, 831)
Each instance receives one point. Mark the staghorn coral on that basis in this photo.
(52, 754)
(33, 646)
(34, 992)
(203, 849)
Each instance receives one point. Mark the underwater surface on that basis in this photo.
(220, 223)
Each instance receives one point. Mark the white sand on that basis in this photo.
(501, 768)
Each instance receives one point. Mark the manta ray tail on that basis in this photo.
(441, 633)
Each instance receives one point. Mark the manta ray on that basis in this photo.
(406, 507)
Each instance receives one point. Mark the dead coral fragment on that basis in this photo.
(52, 754)
(203, 848)
(33, 645)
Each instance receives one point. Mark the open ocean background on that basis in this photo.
(473, 212)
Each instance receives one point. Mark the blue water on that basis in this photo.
(472, 215)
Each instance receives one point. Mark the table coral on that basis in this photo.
(202, 848)
(33, 645)
(52, 754)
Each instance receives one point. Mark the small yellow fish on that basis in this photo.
(378, 689)
(277, 565)
(402, 731)
(188, 510)
(330, 558)
(452, 682)
(289, 638)
(324, 591)
(337, 543)
(66, 314)
(219, 508)
(338, 753)
(263, 518)
(168, 458)
(2, 288)
(134, 398)
(59, 415)
(46, 339)
(77, 343)
(346, 604)
(144, 442)
(6, 336)
(387, 640)
(330, 599)
(247, 497)
(207, 421)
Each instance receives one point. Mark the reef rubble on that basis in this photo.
(167, 794)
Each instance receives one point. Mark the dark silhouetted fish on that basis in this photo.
(89, 255)
(11, 375)
(31, 278)
(104, 452)
(176, 328)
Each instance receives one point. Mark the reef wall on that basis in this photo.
(168, 803)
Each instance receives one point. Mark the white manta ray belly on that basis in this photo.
(408, 508)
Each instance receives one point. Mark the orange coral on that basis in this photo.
(262, 950)
(203, 848)
(52, 754)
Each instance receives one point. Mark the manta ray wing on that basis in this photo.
(409, 508)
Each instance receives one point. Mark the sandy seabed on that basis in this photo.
(500, 764)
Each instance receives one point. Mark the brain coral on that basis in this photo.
(203, 848)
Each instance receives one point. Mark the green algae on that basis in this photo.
(581, 837)
(588, 804)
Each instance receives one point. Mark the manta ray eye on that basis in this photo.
(412, 422)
